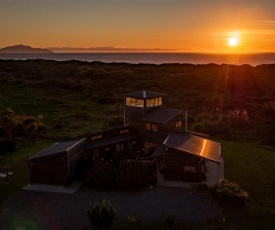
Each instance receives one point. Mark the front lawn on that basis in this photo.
(18, 162)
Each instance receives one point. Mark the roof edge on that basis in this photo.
(185, 151)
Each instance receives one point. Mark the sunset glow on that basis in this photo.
(151, 25)
(233, 41)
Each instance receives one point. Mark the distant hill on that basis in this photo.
(23, 49)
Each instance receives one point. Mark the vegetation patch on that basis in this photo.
(132, 175)
(230, 192)
(102, 175)
(101, 214)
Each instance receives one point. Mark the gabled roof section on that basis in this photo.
(144, 94)
(194, 145)
(159, 152)
(58, 148)
(159, 115)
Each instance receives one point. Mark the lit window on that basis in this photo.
(178, 124)
(148, 126)
(190, 168)
(96, 137)
(154, 102)
(160, 100)
(134, 102)
(124, 131)
(154, 127)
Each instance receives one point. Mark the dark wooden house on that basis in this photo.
(152, 133)
(56, 164)
(182, 157)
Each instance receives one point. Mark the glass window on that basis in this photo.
(134, 102)
(154, 102)
(160, 100)
(128, 100)
(190, 168)
(154, 127)
(124, 131)
(96, 137)
(148, 126)
(178, 124)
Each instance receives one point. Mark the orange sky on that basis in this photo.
(180, 25)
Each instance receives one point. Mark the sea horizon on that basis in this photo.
(252, 59)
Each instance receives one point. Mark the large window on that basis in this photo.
(96, 137)
(153, 127)
(154, 102)
(134, 102)
(178, 124)
(124, 131)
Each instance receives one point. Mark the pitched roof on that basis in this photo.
(158, 115)
(194, 145)
(110, 140)
(159, 151)
(57, 148)
(144, 94)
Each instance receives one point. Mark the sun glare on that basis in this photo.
(233, 40)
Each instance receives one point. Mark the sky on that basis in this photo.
(170, 25)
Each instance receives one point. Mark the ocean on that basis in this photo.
(152, 58)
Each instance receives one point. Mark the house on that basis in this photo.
(152, 133)
(56, 164)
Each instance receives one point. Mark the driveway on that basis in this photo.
(47, 211)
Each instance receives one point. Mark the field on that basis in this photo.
(233, 104)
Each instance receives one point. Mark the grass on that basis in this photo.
(252, 168)
(18, 162)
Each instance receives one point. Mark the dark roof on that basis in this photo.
(110, 140)
(57, 148)
(194, 145)
(159, 115)
(159, 151)
(143, 94)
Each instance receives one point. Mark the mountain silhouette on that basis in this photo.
(23, 49)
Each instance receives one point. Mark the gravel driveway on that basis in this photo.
(45, 210)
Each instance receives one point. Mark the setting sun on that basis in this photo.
(233, 39)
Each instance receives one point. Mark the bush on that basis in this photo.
(103, 175)
(230, 192)
(132, 175)
(101, 214)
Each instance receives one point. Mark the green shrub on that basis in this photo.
(132, 175)
(101, 214)
(103, 175)
(230, 192)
